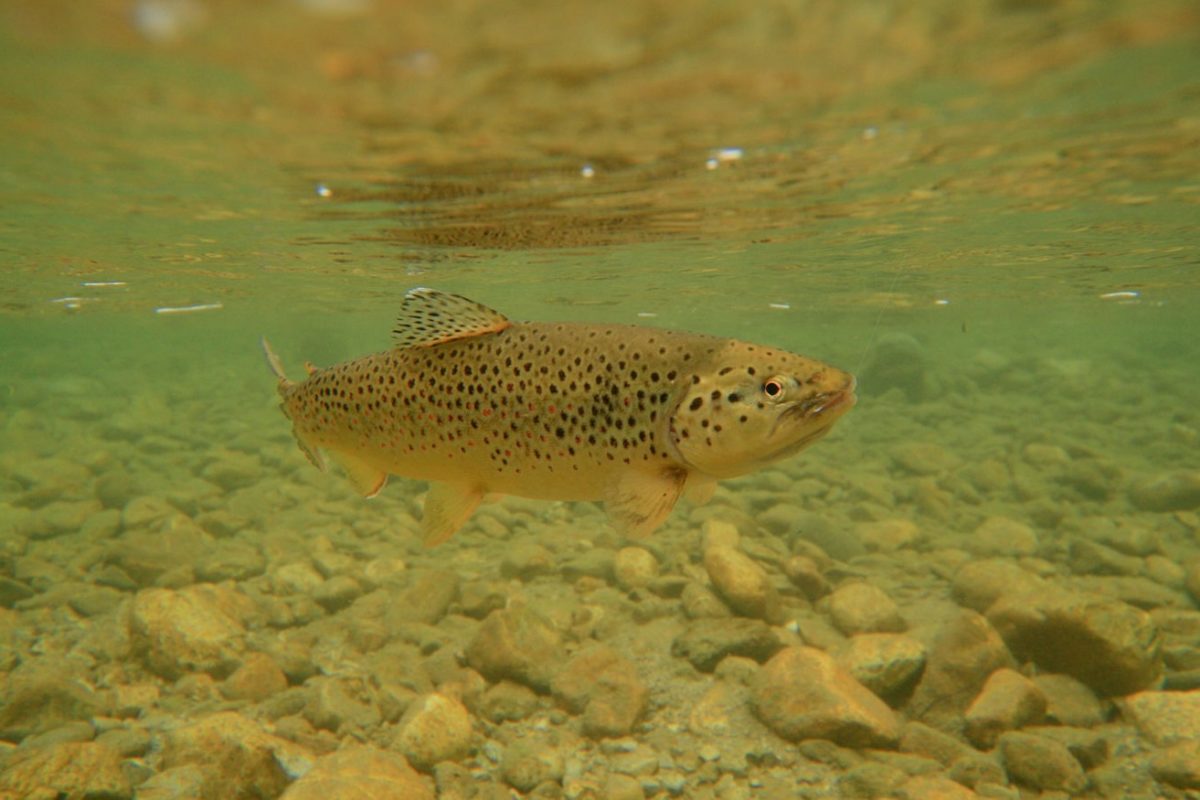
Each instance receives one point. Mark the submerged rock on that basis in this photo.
(435, 728)
(1041, 763)
(705, 642)
(360, 772)
(1111, 646)
(801, 693)
(174, 633)
(1008, 701)
(864, 608)
(1173, 491)
(1164, 718)
(742, 583)
(897, 361)
(69, 769)
(886, 663)
(239, 758)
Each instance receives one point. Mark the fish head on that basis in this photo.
(754, 406)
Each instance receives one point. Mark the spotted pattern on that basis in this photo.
(430, 317)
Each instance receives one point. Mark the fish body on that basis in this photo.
(627, 415)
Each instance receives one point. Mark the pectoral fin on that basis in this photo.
(699, 490)
(639, 502)
(366, 479)
(447, 507)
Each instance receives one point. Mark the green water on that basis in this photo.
(1014, 185)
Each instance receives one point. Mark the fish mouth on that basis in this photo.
(816, 414)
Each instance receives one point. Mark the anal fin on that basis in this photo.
(639, 502)
(366, 479)
(447, 507)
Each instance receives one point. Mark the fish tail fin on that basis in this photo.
(275, 364)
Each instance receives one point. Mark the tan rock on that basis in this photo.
(864, 608)
(1002, 536)
(1041, 763)
(605, 688)
(1069, 701)
(1007, 701)
(966, 651)
(1178, 765)
(886, 663)
(1111, 646)
(982, 582)
(634, 567)
(742, 583)
(934, 787)
(255, 680)
(239, 758)
(176, 632)
(360, 772)
(68, 770)
(434, 728)
(516, 644)
(1165, 718)
(801, 693)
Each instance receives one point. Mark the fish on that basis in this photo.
(630, 416)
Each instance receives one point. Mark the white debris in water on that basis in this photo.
(712, 163)
(69, 303)
(102, 284)
(1126, 295)
(723, 155)
(587, 171)
(188, 309)
(337, 8)
(870, 132)
(166, 21)
(647, 314)
(941, 301)
(782, 306)
(324, 191)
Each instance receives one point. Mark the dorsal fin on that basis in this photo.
(430, 317)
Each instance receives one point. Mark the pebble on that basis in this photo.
(1092, 558)
(888, 535)
(516, 644)
(965, 652)
(357, 772)
(921, 739)
(934, 787)
(527, 560)
(147, 555)
(1172, 491)
(742, 583)
(67, 769)
(699, 603)
(886, 663)
(230, 560)
(860, 607)
(805, 575)
(258, 677)
(1165, 718)
(176, 632)
(1111, 646)
(1008, 701)
(705, 642)
(623, 787)
(1069, 701)
(1041, 763)
(801, 693)
(634, 567)
(334, 702)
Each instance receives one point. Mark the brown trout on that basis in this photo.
(631, 416)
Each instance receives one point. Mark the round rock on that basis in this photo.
(634, 567)
(742, 583)
(864, 608)
(435, 728)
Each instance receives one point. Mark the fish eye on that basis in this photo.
(773, 388)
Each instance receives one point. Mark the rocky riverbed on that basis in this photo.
(969, 590)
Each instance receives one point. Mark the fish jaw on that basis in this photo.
(755, 407)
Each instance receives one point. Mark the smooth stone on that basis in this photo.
(886, 663)
(1008, 701)
(1165, 718)
(95, 601)
(70, 770)
(864, 608)
(1091, 748)
(1002, 536)
(528, 764)
(705, 642)
(358, 772)
(934, 787)
(1111, 646)
(507, 702)
(148, 555)
(298, 577)
(700, 603)
(230, 560)
(337, 593)
(435, 728)
(605, 688)
(1178, 765)
(527, 560)
(176, 632)
(801, 693)
(14, 591)
(888, 535)
(1092, 558)
(966, 651)
(716, 532)
(634, 567)
(1041, 763)
(742, 583)
(1173, 491)
(924, 459)
(516, 644)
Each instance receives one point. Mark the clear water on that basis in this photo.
(1015, 185)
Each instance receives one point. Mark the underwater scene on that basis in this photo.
(649, 399)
